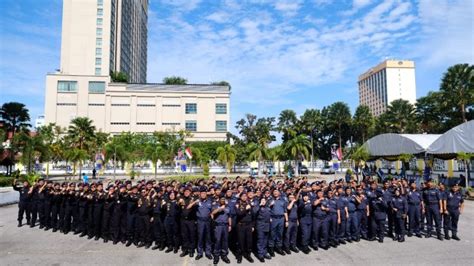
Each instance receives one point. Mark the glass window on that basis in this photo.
(99, 32)
(99, 21)
(98, 61)
(98, 71)
(98, 41)
(221, 108)
(96, 87)
(100, 2)
(191, 108)
(98, 51)
(100, 12)
(67, 86)
(221, 126)
(191, 125)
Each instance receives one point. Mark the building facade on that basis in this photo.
(103, 36)
(203, 110)
(388, 81)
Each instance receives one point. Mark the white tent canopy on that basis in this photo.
(395, 144)
(455, 140)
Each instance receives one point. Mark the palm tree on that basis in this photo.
(258, 152)
(361, 154)
(154, 153)
(400, 116)
(81, 133)
(339, 116)
(226, 156)
(297, 146)
(457, 86)
(363, 123)
(286, 123)
(275, 154)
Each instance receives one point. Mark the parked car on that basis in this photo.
(303, 170)
(253, 172)
(327, 170)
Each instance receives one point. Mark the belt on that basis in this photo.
(293, 220)
(222, 224)
(277, 216)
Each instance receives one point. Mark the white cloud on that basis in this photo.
(288, 7)
(183, 5)
(356, 6)
(218, 17)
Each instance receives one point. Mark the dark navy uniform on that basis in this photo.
(262, 226)
(23, 204)
(332, 220)
(132, 202)
(342, 203)
(414, 199)
(400, 208)
(277, 225)
(158, 225)
(453, 205)
(245, 224)
(431, 199)
(188, 226)
(305, 210)
(292, 229)
(378, 209)
(362, 215)
(353, 232)
(387, 196)
(203, 213)
(221, 231)
(144, 214)
(320, 223)
(171, 224)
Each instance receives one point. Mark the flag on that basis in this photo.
(188, 153)
(339, 154)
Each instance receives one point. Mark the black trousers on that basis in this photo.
(47, 214)
(55, 216)
(158, 229)
(105, 226)
(244, 235)
(115, 224)
(24, 208)
(143, 228)
(188, 233)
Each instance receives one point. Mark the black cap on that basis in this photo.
(203, 189)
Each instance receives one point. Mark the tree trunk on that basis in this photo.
(463, 113)
(80, 169)
(297, 172)
(156, 168)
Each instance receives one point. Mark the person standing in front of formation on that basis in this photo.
(455, 206)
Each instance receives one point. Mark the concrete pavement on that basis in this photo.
(28, 246)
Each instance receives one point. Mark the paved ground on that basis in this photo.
(28, 246)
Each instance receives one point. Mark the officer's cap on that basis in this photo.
(203, 189)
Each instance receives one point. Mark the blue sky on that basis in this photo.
(276, 54)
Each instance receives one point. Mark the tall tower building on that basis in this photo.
(388, 81)
(103, 36)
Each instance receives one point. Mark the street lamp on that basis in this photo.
(115, 160)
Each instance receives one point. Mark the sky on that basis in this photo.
(277, 55)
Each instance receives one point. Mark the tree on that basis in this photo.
(430, 116)
(119, 76)
(339, 119)
(361, 154)
(81, 133)
(286, 123)
(297, 147)
(258, 152)
(32, 148)
(363, 123)
(254, 130)
(175, 80)
(457, 86)
(15, 118)
(276, 154)
(400, 117)
(154, 153)
(226, 156)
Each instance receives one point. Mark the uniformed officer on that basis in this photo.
(291, 232)
(362, 211)
(245, 227)
(455, 205)
(415, 207)
(433, 209)
(443, 194)
(279, 215)
(55, 206)
(342, 203)
(83, 210)
(132, 202)
(48, 196)
(109, 203)
(98, 201)
(203, 213)
(388, 192)
(334, 218)
(144, 218)
(371, 194)
(171, 222)
(24, 202)
(222, 226)
(188, 223)
(353, 233)
(69, 207)
(378, 210)
(305, 211)
(320, 223)
(262, 226)
(116, 215)
(400, 208)
(158, 225)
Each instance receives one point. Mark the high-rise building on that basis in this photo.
(99, 37)
(388, 81)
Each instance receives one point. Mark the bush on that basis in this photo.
(134, 174)
(205, 169)
(6, 181)
(187, 178)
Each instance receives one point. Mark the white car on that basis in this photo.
(327, 170)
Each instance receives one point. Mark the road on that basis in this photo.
(31, 246)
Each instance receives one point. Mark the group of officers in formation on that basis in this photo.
(244, 215)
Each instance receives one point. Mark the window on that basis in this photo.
(66, 104)
(96, 87)
(221, 126)
(171, 105)
(100, 2)
(145, 123)
(98, 41)
(67, 86)
(145, 105)
(98, 71)
(100, 12)
(98, 51)
(191, 125)
(120, 104)
(221, 108)
(99, 32)
(120, 123)
(96, 104)
(98, 61)
(99, 21)
(170, 124)
(191, 108)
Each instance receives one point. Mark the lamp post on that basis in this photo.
(115, 160)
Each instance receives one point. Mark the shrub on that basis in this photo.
(6, 181)
(187, 178)
(205, 169)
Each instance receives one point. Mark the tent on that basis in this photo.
(457, 139)
(390, 145)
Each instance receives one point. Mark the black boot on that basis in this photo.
(184, 253)
(216, 260)
(440, 237)
(225, 259)
(19, 224)
(446, 235)
(294, 249)
(455, 237)
(169, 249)
(271, 252)
(248, 257)
(129, 243)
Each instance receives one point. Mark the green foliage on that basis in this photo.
(363, 124)
(15, 116)
(226, 156)
(399, 118)
(175, 80)
(361, 154)
(205, 169)
(134, 174)
(222, 83)
(6, 181)
(457, 86)
(119, 77)
(207, 148)
(255, 130)
(287, 123)
(339, 119)
(187, 178)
